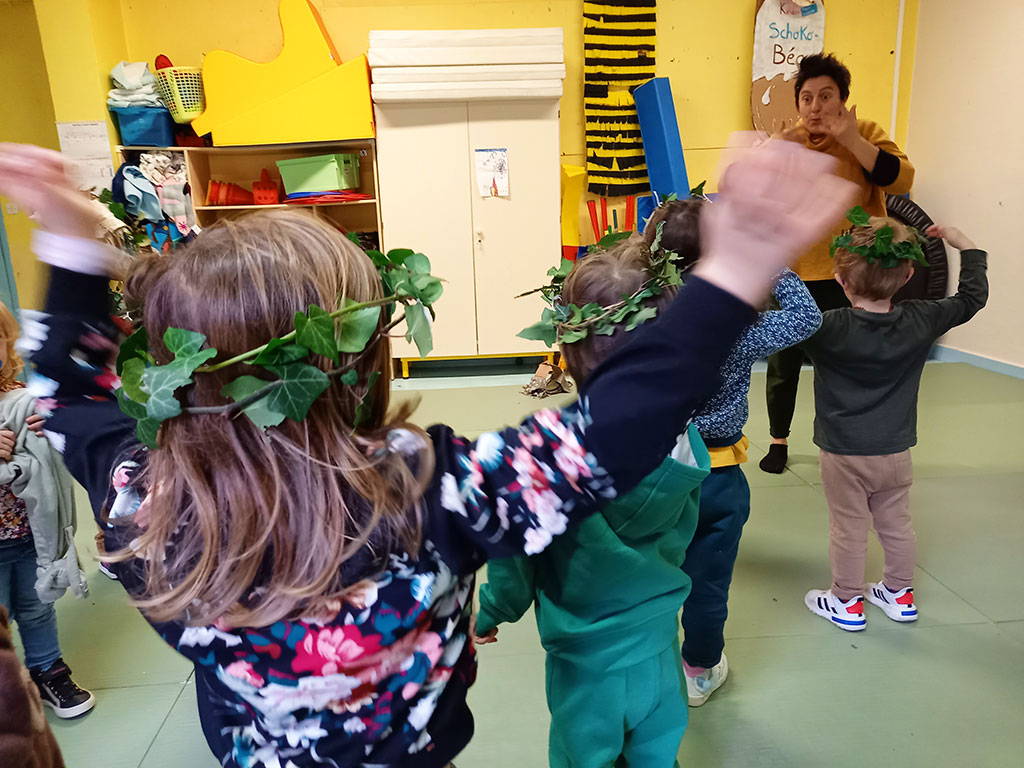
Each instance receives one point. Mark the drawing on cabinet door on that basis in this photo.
(487, 249)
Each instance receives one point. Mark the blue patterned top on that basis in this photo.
(797, 318)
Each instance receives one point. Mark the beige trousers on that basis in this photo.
(863, 491)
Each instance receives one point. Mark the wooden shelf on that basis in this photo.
(242, 165)
(281, 205)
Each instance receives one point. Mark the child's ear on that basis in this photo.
(840, 280)
(909, 275)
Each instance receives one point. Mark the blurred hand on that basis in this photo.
(951, 235)
(774, 203)
(37, 180)
(844, 126)
(6, 444)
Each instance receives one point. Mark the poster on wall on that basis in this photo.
(784, 32)
(492, 172)
(87, 144)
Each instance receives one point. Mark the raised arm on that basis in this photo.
(72, 344)
(796, 319)
(972, 291)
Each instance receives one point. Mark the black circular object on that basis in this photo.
(930, 282)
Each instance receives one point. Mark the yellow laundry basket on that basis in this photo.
(181, 88)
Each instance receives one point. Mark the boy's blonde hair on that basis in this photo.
(246, 527)
(873, 281)
(604, 277)
(9, 333)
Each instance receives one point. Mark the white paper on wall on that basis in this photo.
(87, 144)
(492, 172)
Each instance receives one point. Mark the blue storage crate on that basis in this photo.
(145, 126)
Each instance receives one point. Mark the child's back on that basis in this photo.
(868, 362)
(608, 592)
(868, 365)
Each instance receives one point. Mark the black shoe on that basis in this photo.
(775, 462)
(59, 692)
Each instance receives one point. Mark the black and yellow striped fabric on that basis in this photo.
(619, 52)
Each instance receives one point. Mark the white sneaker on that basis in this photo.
(848, 615)
(700, 688)
(898, 606)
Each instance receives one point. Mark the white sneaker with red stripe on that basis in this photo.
(898, 606)
(848, 615)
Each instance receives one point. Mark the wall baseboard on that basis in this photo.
(948, 355)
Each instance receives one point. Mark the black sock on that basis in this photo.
(775, 462)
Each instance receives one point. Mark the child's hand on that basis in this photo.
(35, 423)
(775, 202)
(6, 444)
(951, 235)
(37, 179)
(490, 637)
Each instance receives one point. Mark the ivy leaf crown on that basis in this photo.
(287, 384)
(562, 323)
(882, 250)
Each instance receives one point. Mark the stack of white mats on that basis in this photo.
(467, 65)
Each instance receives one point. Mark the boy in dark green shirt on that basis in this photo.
(608, 593)
(868, 362)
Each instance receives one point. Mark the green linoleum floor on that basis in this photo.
(948, 691)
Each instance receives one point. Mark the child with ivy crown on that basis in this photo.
(724, 494)
(868, 361)
(312, 553)
(608, 591)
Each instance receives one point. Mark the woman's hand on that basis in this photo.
(951, 235)
(843, 126)
(774, 203)
(38, 180)
(7, 439)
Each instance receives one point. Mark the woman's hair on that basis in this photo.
(823, 65)
(605, 277)
(248, 527)
(872, 281)
(681, 231)
(9, 333)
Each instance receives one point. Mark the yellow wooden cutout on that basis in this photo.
(573, 177)
(304, 94)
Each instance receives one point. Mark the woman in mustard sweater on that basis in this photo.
(867, 157)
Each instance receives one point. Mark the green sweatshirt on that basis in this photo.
(868, 365)
(607, 593)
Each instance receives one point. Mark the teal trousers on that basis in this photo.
(629, 717)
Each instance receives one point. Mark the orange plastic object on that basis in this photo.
(304, 94)
(592, 207)
(225, 193)
(264, 191)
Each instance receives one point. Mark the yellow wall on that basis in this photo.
(963, 122)
(27, 117)
(704, 47)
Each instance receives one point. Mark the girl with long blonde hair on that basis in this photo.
(320, 576)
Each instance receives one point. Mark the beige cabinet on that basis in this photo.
(488, 249)
(441, 95)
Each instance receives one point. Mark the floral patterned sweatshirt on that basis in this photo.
(381, 678)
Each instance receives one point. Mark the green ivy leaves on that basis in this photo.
(882, 250)
(289, 385)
